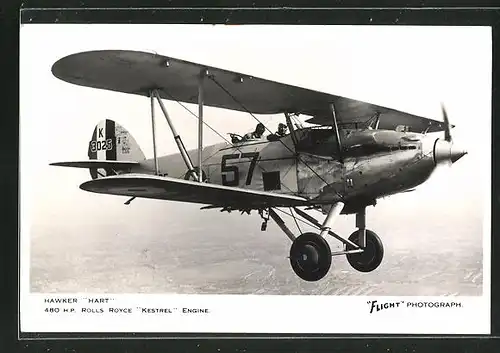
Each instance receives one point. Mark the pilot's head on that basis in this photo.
(260, 129)
(282, 129)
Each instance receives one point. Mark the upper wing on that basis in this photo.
(138, 72)
(165, 188)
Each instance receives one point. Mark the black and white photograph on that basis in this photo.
(307, 164)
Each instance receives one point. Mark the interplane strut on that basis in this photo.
(177, 138)
(200, 122)
(180, 145)
(154, 131)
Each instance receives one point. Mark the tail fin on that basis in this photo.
(112, 150)
(112, 142)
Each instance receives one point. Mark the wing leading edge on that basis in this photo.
(137, 72)
(166, 188)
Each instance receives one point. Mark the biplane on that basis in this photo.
(350, 154)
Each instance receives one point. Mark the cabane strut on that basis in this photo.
(336, 130)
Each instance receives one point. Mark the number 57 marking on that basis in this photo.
(234, 169)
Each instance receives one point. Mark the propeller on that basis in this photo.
(447, 125)
(447, 137)
(445, 150)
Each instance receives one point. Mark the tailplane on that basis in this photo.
(112, 150)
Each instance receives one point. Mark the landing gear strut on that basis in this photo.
(310, 253)
(373, 249)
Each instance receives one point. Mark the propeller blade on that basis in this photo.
(447, 125)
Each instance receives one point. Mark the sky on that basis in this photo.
(412, 69)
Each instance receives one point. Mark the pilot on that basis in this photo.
(257, 134)
(281, 130)
(234, 138)
(280, 133)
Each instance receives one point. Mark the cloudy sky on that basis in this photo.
(407, 68)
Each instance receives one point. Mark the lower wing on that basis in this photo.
(166, 188)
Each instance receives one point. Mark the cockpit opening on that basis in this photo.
(318, 141)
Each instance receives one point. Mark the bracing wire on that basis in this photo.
(196, 116)
(295, 219)
(300, 219)
(249, 112)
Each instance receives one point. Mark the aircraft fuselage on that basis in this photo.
(372, 164)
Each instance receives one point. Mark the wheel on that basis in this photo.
(310, 257)
(372, 255)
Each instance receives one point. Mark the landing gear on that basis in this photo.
(310, 257)
(310, 254)
(372, 254)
